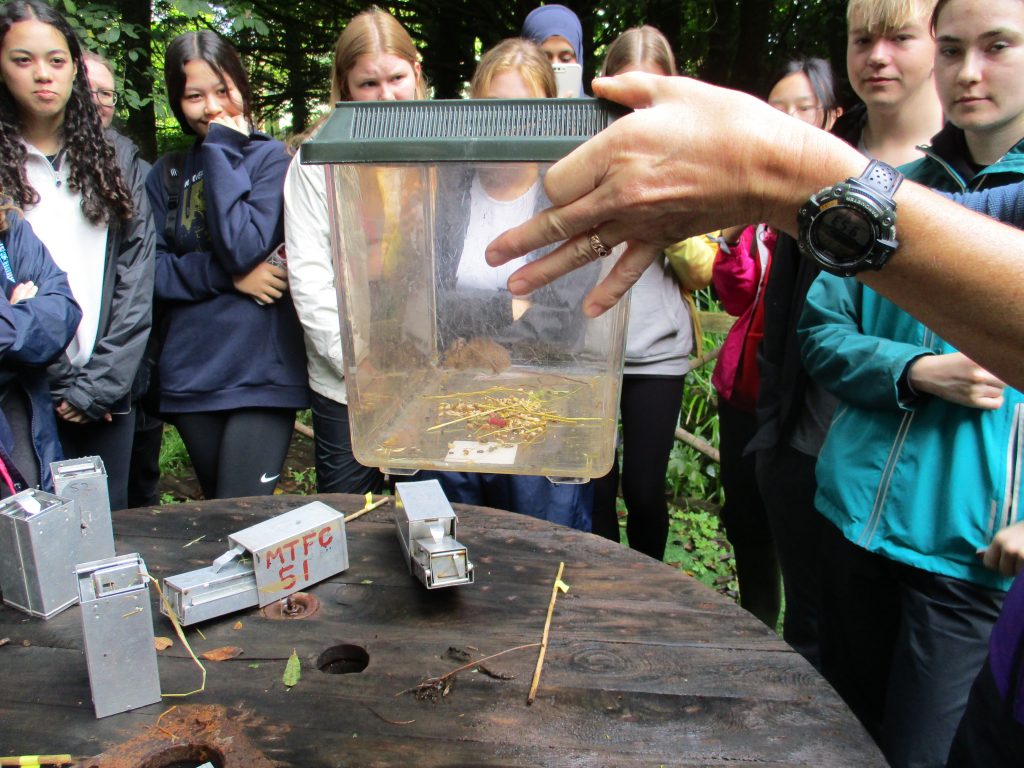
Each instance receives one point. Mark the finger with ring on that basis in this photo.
(598, 247)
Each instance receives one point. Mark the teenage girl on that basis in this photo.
(660, 337)
(479, 208)
(803, 90)
(232, 369)
(57, 166)
(374, 60)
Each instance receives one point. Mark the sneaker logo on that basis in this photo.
(265, 479)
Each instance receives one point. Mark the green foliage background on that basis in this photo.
(288, 45)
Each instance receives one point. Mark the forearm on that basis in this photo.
(952, 290)
(967, 294)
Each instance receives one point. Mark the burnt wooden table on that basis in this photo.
(646, 667)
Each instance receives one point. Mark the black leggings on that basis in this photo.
(239, 452)
(650, 410)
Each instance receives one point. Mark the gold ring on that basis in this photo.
(600, 249)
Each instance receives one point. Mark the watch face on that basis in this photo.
(845, 234)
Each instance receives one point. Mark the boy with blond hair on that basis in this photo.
(890, 60)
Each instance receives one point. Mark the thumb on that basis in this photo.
(633, 89)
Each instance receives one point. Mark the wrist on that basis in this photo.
(798, 166)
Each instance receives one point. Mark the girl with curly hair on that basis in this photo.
(232, 368)
(84, 200)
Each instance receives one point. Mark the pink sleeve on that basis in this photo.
(736, 273)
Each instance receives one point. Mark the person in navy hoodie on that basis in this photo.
(232, 368)
(38, 317)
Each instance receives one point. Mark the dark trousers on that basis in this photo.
(785, 477)
(337, 470)
(531, 495)
(144, 467)
(989, 736)
(649, 410)
(901, 646)
(238, 452)
(745, 519)
(111, 441)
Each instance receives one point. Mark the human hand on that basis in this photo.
(23, 291)
(691, 159)
(958, 379)
(234, 122)
(68, 412)
(1006, 552)
(264, 282)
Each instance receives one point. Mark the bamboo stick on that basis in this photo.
(558, 585)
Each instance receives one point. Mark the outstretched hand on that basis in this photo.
(692, 158)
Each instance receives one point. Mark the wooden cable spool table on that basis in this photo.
(645, 666)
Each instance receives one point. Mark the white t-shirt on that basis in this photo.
(77, 246)
(488, 218)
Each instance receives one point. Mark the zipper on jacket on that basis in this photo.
(882, 491)
(1014, 456)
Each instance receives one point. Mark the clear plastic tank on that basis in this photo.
(445, 369)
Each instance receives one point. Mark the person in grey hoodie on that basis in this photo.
(659, 340)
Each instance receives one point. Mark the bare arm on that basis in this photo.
(673, 169)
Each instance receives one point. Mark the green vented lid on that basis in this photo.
(464, 130)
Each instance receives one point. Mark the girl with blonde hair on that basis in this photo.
(476, 205)
(375, 59)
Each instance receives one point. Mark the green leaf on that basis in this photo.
(292, 670)
(70, 7)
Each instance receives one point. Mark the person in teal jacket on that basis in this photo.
(923, 461)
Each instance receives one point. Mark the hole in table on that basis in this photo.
(185, 756)
(343, 659)
(296, 606)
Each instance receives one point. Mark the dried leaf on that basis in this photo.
(292, 670)
(224, 653)
(238, 625)
(162, 643)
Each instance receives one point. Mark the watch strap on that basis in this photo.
(882, 178)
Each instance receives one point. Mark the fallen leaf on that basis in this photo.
(238, 625)
(224, 653)
(292, 670)
(162, 643)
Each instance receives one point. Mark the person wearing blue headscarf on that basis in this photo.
(558, 32)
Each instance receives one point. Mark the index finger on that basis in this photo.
(549, 226)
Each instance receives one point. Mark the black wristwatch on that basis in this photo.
(851, 226)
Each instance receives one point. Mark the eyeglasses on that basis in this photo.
(104, 97)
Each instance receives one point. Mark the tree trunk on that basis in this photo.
(141, 123)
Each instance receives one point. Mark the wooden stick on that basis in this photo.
(699, 444)
(302, 429)
(544, 638)
(37, 760)
(367, 508)
(697, 362)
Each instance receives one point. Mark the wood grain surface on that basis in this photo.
(646, 667)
